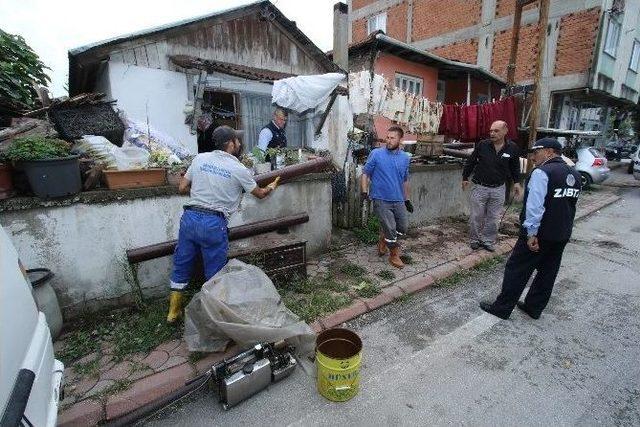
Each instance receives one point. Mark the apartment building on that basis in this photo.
(591, 60)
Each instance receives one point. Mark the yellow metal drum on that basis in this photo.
(338, 358)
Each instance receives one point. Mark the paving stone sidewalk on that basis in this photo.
(436, 251)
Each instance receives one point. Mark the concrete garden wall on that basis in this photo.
(436, 192)
(83, 240)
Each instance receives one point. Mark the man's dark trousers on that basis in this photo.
(519, 269)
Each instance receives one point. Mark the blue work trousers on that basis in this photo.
(204, 233)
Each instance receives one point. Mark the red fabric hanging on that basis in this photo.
(472, 122)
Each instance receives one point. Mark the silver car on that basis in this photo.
(592, 166)
(635, 161)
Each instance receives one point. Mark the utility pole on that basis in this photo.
(535, 99)
(515, 38)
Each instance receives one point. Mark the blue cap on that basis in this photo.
(546, 143)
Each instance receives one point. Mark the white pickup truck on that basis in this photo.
(30, 376)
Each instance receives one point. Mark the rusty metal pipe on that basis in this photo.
(158, 250)
(288, 173)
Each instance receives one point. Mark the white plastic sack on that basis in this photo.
(128, 158)
(305, 92)
(147, 137)
(100, 149)
(241, 304)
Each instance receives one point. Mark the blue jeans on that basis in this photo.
(204, 233)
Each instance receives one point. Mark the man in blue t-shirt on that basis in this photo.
(387, 170)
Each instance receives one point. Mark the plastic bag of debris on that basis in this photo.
(240, 303)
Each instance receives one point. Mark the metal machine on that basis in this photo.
(249, 372)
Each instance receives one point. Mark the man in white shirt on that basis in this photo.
(215, 182)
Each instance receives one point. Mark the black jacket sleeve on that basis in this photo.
(470, 164)
(514, 163)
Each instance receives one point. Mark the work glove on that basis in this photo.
(274, 184)
(408, 205)
(364, 195)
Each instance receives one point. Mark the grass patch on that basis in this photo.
(130, 331)
(452, 280)
(404, 298)
(115, 388)
(89, 369)
(489, 264)
(367, 289)
(311, 306)
(352, 270)
(77, 345)
(407, 259)
(386, 274)
(195, 356)
(370, 233)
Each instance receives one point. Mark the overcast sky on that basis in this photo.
(52, 27)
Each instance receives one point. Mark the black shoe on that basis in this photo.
(475, 245)
(488, 307)
(524, 308)
(489, 247)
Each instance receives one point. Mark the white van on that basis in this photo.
(30, 376)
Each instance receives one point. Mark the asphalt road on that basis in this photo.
(437, 359)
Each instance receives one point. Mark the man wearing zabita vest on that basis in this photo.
(549, 208)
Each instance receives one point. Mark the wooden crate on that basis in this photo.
(137, 178)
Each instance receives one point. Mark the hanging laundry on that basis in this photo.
(394, 104)
(359, 91)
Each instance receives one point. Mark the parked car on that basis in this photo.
(635, 162)
(635, 158)
(592, 166)
(618, 150)
(31, 377)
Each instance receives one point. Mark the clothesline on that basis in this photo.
(375, 96)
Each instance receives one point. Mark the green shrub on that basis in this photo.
(37, 148)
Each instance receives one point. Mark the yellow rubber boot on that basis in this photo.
(175, 306)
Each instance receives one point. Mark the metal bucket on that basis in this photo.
(338, 358)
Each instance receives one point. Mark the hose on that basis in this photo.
(147, 411)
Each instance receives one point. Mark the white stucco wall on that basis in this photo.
(160, 94)
(84, 244)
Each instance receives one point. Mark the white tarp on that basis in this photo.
(240, 303)
(303, 93)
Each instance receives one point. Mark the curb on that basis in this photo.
(596, 207)
(409, 286)
(161, 384)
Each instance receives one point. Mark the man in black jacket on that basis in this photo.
(546, 219)
(493, 162)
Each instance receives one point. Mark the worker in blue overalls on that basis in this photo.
(215, 182)
(548, 211)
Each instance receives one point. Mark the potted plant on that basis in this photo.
(6, 180)
(51, 169)
(276, 157)
(260, 164)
